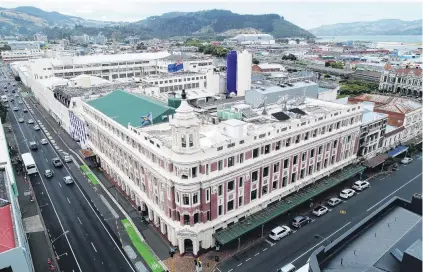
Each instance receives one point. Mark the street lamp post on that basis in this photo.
(66, 232)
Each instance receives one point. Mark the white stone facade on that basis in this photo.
(193, 177)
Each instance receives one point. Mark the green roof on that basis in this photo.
(251, 222)
(127, 108)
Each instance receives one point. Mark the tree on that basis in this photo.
(327, 64)
(255, 61)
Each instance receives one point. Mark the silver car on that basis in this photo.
(68, 180)
(48, 173)
(36, 128)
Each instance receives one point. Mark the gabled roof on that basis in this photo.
(127, 108)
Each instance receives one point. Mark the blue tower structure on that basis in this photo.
(231, 67)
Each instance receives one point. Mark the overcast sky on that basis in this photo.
(308, 14)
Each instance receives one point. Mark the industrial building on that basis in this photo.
(21, 55)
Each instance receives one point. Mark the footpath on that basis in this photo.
(37, 234)
(143, 245)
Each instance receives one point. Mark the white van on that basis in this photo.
(287, 268)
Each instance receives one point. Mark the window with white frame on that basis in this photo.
(207, 195)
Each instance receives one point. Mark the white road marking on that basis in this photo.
(221, 270)
(321, 242)
(228, 270)
(68, 200)
(265, 249)
(270, 243)
(239, 264)
(46, 160)
(59, 184)
(371, 208)
(94, 247)
(248, 259)
(257, 254)
(79, 220)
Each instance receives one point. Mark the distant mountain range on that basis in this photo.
(29, 20)
(381, 27)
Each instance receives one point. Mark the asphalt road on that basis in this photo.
(296, 248)
(88, 245)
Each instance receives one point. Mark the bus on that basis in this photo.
(29, 163)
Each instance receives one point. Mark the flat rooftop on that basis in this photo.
(371, 250)
(70, 91)
(171, 75)
(125, 108)
(91, 59)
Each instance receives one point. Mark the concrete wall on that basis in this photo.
(14, 258)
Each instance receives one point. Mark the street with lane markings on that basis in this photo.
(81, 240)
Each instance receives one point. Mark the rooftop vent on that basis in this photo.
(280, 116)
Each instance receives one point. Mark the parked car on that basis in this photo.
(334, 201)
(57, 162)
(43, 141)
(347, 193)
(36, 128)
(48, 173)
(25, 110)
(67, 158)
(300, 221)
(15, 108)
(30, 121)
(360, 185)
(279, 232)
(320, 210)
(68, 180)
(406, 160)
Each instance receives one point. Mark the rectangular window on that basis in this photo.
(230, 205)
(194, 172)
(254, 176)
(266, 149)
(318, 167)
(240, 182)
(275, 185)
(320, 150)
(293, 177)
(338, 125)
(314, 133)
(349, 139)
(306, 136)
(325, 164)
(285, 163)
(288, 142)
(185, 199)
(276, 167)
(208, 216)
(231, 185)
(332, 161)
(220, 165)
(265, 171)
(335, 143)
(195, 198)
(177, 197)
(327, 146)
(241, 158)
(312, 153)
(297, 139)
(295, 160)
(254, 195)
(278, 145)
(255, 153)
(303, 156)
(310, 170)
(302, 173)
(264, 190)
(220, 210)
(208, 195)
(220, 190)
(240, 201)
(231, 161)
(284, 181)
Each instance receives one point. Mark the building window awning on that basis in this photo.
(376, 160)
(288, 203)
(397, 150)
(86, 153)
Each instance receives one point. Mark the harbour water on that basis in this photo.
(407, 39)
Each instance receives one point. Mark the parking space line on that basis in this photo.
(270, 243)
(239, 264)
(257, 254)
(248, 259)
(68, 200)
(265, 249)
(94, 247)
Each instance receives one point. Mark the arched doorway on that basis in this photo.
(409, 92)
(398, 90)
(189, 247)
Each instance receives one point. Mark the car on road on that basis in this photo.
(36, 128)
(279, 232)
(360, 185)
(68, 180)
(300, 221)
(287, 268)
(406, 160)
(57, 162)
(25, 110)
(48, 173)
(43, 141)
(334, 201)
(21, 120)
(33, 145)
(67, 158)
(347, 193)
(320, 210)
(15, 108)
(30, 121)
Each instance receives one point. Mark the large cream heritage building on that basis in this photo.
(194, 175)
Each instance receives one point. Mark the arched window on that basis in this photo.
(191, 140)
